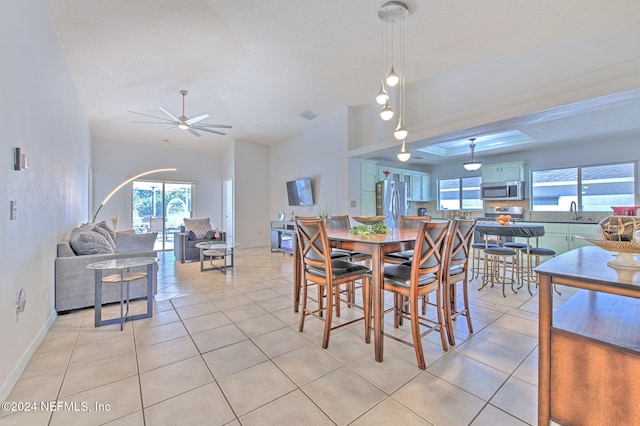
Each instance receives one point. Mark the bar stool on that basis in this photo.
(517, 247)
(476, 256)
(534, 257)
(496, 264)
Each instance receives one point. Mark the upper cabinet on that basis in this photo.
(503, 172)
(368, 175)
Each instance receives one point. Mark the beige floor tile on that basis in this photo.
(515, 322)
(390, 412)
(206, 322)
(275, 303)
(38, 388)
(245, 311)
(103, 348)
(262, 324)
(501, 357)
(158, 318)
(45, 362)
(293, 407)
(89, 375)
(528, 370)
(173, 379)
(162, 333)
(104, 403)
(255, 386)
(518, 398)
(180, 302)
(200, 406)
(474, 377)
(347, 346)
(233, 358)
(441, 397)
(216, 338)
(165, 353)
(389, 375)
(492, 416)
(343, 395)
(197, 310)
(287, 315)
(280, 341)
(133, 419)
(307, 363)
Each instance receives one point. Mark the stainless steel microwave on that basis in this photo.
(503, 190)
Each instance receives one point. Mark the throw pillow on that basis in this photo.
(107, 236)
(198, 226)
(85, 242)
(192, 236)
(129, 243)
(210, 234)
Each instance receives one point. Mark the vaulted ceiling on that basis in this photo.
(257, 64)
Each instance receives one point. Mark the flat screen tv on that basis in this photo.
(300, 192)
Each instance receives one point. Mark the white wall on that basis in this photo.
(115, 161)
(320, 154)
(41, 114)
(251, 194)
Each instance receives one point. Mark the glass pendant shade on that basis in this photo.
(382, 97)
(400, 132)
(386, 113)
(392, 78)
(404, 155)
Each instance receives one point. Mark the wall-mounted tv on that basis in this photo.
(300, 192)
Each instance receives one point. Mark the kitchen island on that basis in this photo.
(589, 348)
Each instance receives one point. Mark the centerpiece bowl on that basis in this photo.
(369, 220)
(623, 250)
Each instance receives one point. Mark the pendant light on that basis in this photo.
(386, 113)
(400, 132)
(472, 164)
(404, 154)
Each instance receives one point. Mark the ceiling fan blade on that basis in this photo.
(194, 120)
(208, 130)
(152, 116)
(193, 132)
(221, 126)
(170, 129)
(173, 117)
(153, 122)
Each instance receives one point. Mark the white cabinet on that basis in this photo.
(503, 172)
(367, 203)
(562, 237)
(368, 175)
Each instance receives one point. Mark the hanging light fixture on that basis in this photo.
(404, 154)
(388, 14)
(400, 133)
(472, 164)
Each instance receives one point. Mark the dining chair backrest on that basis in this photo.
(429, 247)
(313, 244)
(338, 222)
(459, 244)
(412, 222)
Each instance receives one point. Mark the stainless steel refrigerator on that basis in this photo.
(391, 201)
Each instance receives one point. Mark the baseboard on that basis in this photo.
(13, 378)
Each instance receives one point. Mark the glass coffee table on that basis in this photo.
(123, 277)
(217, 250)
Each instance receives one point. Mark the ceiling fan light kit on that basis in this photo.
(192, 125)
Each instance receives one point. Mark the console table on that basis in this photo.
(283, 236)
(589, 348)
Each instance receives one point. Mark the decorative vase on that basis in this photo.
(114, 222)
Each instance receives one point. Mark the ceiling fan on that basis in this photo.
(193, 125)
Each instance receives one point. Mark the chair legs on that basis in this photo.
(495, 270)
(451, 311)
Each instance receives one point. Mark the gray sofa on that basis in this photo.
(75, 284)
(184, 246)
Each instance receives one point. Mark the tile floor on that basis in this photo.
(225, 349)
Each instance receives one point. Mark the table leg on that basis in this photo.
(544, 350)
(201, 260)
(98, 299)
(378, 301)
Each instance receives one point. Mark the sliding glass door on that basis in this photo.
(161, 207)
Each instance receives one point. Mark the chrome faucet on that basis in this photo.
(573, 208)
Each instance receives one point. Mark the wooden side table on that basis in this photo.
(124, 275)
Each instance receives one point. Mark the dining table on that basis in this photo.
(513, 229)
(375, 245)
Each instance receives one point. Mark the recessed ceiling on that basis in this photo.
(490, 142)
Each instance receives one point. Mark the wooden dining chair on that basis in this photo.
(327, 274)
(416, 279)
(343, 222)
(455, 270)
(406, 222)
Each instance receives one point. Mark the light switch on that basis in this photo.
(13, 205)
(353, 203)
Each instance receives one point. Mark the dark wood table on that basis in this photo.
(589, 348)
(513, 229)
(376, 246)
